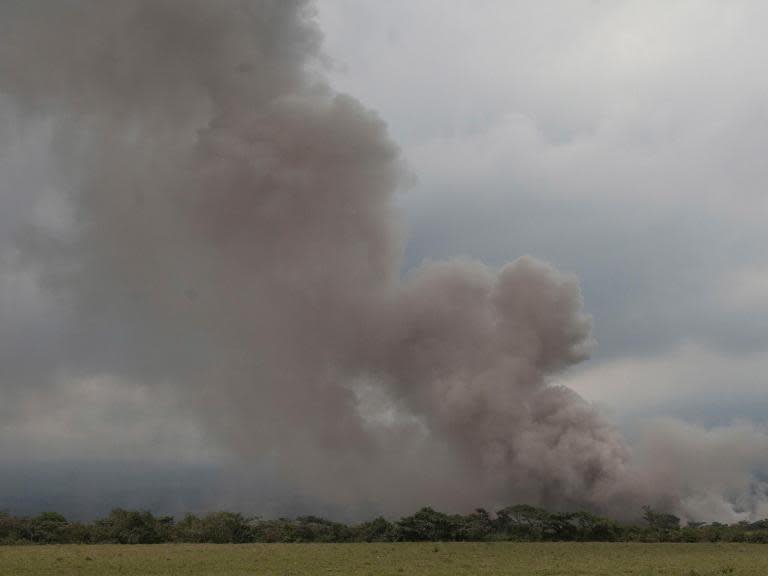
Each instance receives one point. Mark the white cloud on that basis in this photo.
(692, 382)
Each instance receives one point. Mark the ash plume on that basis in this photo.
(221, 230)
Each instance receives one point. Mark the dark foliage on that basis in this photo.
(515, 523)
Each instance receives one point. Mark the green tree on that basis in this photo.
(427, 524)
(662, 523)
(477, 526)
(48, 528)
(226, 527)
(377, 530)
(522, 522)
(130, 527)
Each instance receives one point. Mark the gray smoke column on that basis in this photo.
(225, 233)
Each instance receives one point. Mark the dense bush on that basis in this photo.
(517, 523)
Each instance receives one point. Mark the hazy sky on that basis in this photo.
(232, 345)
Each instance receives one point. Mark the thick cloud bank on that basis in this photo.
(194, 217)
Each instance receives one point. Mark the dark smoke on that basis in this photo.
(221, 231)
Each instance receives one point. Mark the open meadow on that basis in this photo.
(385, 559)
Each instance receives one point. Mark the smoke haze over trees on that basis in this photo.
(208, 239)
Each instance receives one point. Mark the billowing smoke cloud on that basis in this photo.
(718, 473)
(210, 222)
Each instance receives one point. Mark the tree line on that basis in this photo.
(513, 523)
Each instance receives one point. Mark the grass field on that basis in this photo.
(385, 559)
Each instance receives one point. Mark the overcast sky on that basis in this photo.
(621, 142)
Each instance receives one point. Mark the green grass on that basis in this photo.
(385, 559)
